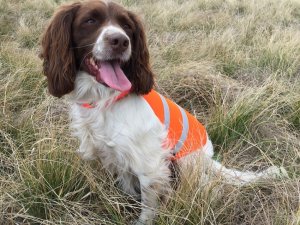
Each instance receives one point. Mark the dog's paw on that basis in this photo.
(276, 172)
(140, 222)
(86, 155)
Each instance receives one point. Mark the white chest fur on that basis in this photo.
(123, 135)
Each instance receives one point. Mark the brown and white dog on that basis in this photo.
(96, 50)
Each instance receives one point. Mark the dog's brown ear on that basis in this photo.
(59, 61)
(138, 68)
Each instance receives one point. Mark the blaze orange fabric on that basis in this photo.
(87, 105)
(185, 133)
(196, 133)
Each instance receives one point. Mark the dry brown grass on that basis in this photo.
(234, 64)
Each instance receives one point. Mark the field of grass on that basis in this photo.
(235, 64)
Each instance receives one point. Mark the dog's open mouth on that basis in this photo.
(109, 73)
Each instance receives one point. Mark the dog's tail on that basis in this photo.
(235, 177)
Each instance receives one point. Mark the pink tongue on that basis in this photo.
(112, 75)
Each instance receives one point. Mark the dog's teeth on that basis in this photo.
(92, 62)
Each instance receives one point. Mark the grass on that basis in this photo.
(233, 64)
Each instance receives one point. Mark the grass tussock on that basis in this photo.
(233, 64)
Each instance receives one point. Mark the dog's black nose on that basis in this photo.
(118, 42)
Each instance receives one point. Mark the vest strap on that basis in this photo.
(92, 105)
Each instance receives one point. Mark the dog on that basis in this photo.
(96, 52)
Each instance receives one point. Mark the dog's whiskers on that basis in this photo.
(84, 57)
(83, 46)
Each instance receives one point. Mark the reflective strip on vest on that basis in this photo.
(166, 112)
(185, 130)
(185, 133)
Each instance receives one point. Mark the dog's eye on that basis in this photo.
(90, 21)
(126, 26)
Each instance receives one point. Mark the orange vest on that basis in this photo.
(185, 133)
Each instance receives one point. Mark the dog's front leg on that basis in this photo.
(86, 149)
(152, 189)
(82, 130)
(149, 201)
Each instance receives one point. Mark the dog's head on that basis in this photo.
(103, 39)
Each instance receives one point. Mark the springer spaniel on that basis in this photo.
(96, 50)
